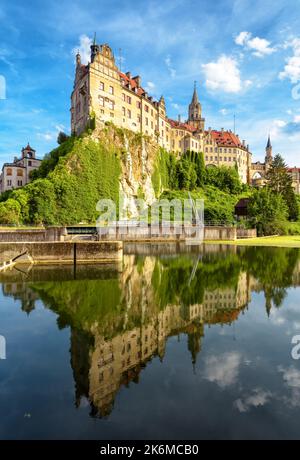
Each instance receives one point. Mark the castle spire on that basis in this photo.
(269, 157)
(195, 99)
(195, 111)
(94, 49)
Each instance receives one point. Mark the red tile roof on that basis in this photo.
(180, 125)
(226, 139)
(133, 83)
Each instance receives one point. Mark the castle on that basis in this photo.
(103, 92)
(17, 173)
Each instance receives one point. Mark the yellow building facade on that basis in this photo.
(103, 93)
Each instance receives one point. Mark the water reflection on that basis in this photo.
(121, 317)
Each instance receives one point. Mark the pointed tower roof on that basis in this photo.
(195, 99)
(269, 143)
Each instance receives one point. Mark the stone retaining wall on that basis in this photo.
(63, 252)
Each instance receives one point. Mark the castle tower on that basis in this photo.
(195, 111)
(95, 49)
(269, 157)
(28, 152)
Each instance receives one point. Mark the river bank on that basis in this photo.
(289, 241)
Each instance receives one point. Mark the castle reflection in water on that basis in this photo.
(121, 317)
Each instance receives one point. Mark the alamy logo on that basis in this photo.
(296, 349)
(162, 218)
(2, 347)
(2, 87)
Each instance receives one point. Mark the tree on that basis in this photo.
(62, 137)
(280, 181)
(186, 174)
(268, 212)
(10, 211)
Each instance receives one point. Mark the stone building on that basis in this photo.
(103, 93)
(259, 170)
(17, 173)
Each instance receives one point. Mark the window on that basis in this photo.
(225, 158)
(123, 97)
(101, 101)
(206, 149)
(101, 86)
(138, 104)
(111, 90)
(9, 172)
(216, 158)
(111, 105)
(211, 149)
(216, 149)
(229, 158)
(146, 108)
(211, 158)
(9, 182)
(123, 111)
(128, 113)
(19, 183)
(128, 99)
(225, 150)
(152, 124)
(151, 112)
(206, 158)
(147, 121)
(20, 172)
(139, 118)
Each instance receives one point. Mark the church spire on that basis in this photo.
(195, 99)
(195, 111)
(269, 157)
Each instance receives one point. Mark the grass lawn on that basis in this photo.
(289, 241)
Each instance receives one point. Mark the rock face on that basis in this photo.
(138, 156)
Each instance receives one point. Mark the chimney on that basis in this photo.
(128, 75)
(244, 143)
(137, 80)
(179, 118)
(222, 130)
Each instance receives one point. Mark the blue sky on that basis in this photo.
(244, 54)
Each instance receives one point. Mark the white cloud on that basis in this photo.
(83, 48)
(170, 66)
(224, 75)
(223, 369)
(260, 47)
(258, 398)
(46, 136)
(292, 67)
(223, 111)
(242, 38)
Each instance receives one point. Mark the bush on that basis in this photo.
(268, 212)
(10, 212)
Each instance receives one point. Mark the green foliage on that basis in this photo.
(62, 137)
(268, 212)
(51, 159)
(71, 180)
(224, 178)
(280, 181)
(42, 202)
(10, 212)
(186, 174)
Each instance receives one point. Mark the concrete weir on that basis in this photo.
(62, 252)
